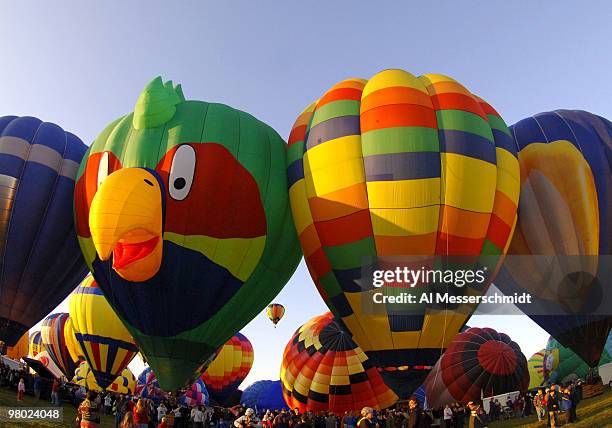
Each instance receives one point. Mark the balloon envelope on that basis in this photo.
(229, 368)
(480, 362)
(54, 341)
(197, 395)
(36, 345)
(40, 258)
(366, 165)
(264, 395)
(106, 344)
(275, 312)
(562, 245)
(324, 370)
(535, 365)
(183, 216)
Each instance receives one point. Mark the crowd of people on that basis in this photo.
(556, 405)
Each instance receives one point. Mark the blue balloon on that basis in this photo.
(40, 258)
(263, 395)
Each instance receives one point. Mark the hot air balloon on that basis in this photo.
(197, 395)
(229, 368)
(36, 345)
(40, 258)
(264, 395)
(107, 345)
(147, 386)
(535, 365)
(74, 348)
(125, 383)
(479, 362)
(564, 365)
(275, 312)
(183, 216)
(54, 341)
(393, 167)
(323, 369)
(19, 350)
(564, 228)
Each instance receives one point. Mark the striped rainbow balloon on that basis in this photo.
(393, 166)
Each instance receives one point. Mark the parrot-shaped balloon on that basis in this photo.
(183, 216)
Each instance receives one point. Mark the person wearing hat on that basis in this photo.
(367, 418)
(417, 418)
(248, 420)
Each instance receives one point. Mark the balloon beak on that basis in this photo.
(125, 220)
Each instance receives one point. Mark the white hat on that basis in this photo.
(249, 411)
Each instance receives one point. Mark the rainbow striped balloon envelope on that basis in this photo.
(54, 342)
(229, 368)
(324, 370)
(104, 341)
(395, 166)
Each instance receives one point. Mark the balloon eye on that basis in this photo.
(103, 168)
(181, 172)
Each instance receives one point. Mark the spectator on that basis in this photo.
(478, 419)
(141, 414)
(330, 421)
(538, 403)
(88, 413)
(367, 418)
(417, 418)
(128, 421)
(20, 390)
(552, 406)
(108, 404)
(197, 416)
(54, 393)
(448, 416)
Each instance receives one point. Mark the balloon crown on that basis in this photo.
(156, 104)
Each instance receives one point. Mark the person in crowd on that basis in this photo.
(478, 418)
(304, 422)
(416, 417)
(128, 421)
(141, 414)
(565, 405)
(55, 393)
(163, 423)
(552, 406)
(538, 404)
(179, 421)
(367, 418)
(459, 412)
(88, 413)
(161, 411)
(448, 416)
(575, 399)
(37, 385)
(108, 404)
(20, 389)
(197, 416)
(282, 420)
(247, 420)
(330, 420)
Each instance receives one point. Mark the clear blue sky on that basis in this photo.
(81, 65)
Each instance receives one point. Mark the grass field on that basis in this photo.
(592, 413)
(9, 399)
